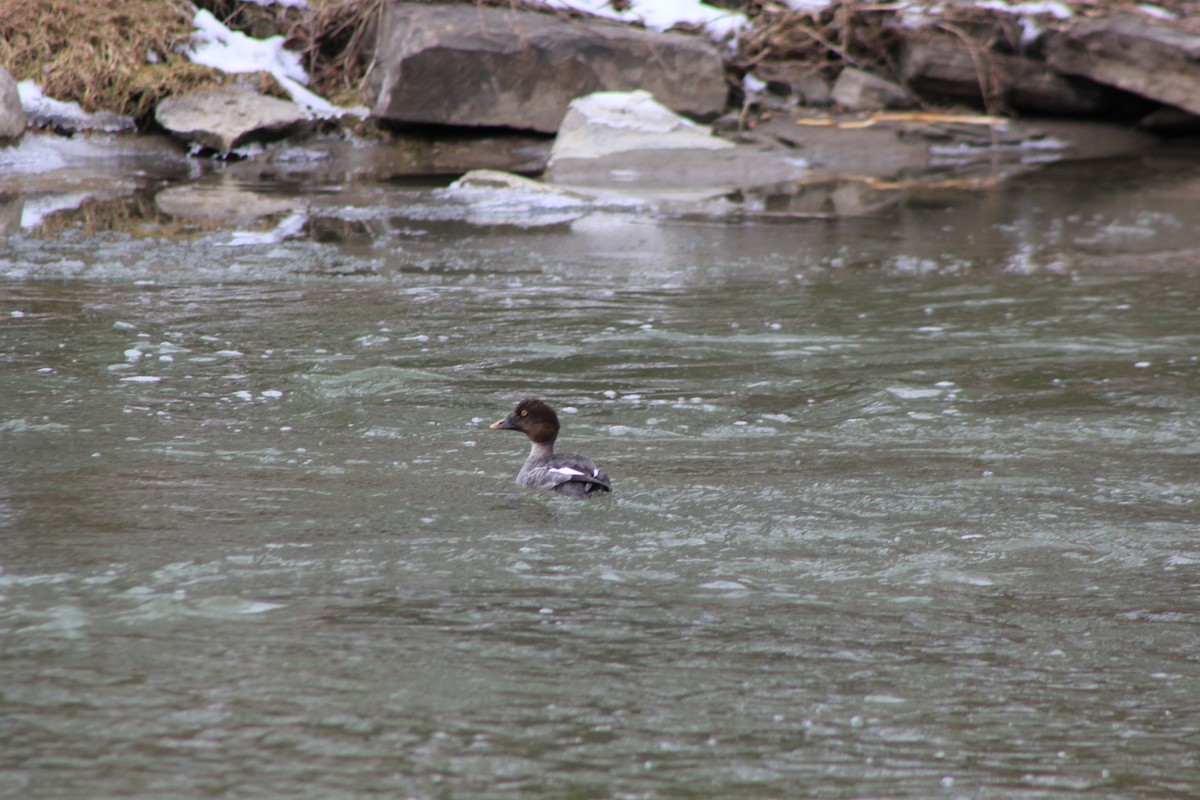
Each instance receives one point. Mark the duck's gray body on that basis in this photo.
(568, 473)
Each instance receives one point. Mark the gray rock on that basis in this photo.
(228, 117)
(796, 79)
(12, 115)
(1135, 53)
(498, 179)
(1169, 119)
(628, 141)
(605, 123)
(945, 67)
(856, 90)
(481, 66)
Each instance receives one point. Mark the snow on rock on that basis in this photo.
(215, 45)
(289, 227)
(660, 15)
(46, 112)
(1032, 8)
(1027, 14)
(1157, 12)
(492, 197)
(810, 7)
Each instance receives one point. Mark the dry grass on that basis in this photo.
(333, 36)
(96, 53)
(336, 38)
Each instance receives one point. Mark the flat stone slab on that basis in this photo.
(226, 118)
(482, 66)
(1133, 52)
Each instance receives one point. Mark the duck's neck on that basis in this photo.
(541, 449)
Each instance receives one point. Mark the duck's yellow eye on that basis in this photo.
(524, 412)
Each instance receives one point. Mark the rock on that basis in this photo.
(12, 115)
(491, 197)
(1133, 52)
(795, 79)
(420, 154)
(482, 66)
(1170, 120)
(498, 179)
(12, 208)
(627, 139)
(945, 68)
(856, 90)
(605, 123)
(225, 118)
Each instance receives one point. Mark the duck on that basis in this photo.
(566, 473)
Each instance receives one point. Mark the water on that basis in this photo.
(906, 504)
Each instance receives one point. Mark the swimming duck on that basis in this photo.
(572, 475)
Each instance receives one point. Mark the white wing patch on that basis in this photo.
(568, 471)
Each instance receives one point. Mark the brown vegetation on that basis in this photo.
(125, 55)
(119, 55)
(333, 37)
(336, 38)
(845, 32)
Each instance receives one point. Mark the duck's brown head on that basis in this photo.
(533, 418)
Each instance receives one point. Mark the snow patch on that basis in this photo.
(1032, 8)
(36, 209)
(660, 15)
(1158, 12)
(214, 45)
(811, 7)
(48, 112)
(289, 227)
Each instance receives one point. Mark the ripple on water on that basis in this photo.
(811, 579)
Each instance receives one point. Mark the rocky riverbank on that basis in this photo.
(881, 94)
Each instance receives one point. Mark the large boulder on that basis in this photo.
(227, 117)
(12, 115)
(1134, 52)
(481, 66)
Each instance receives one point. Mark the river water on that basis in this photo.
(906, 503)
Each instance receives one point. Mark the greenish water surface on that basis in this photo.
(907, 505)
